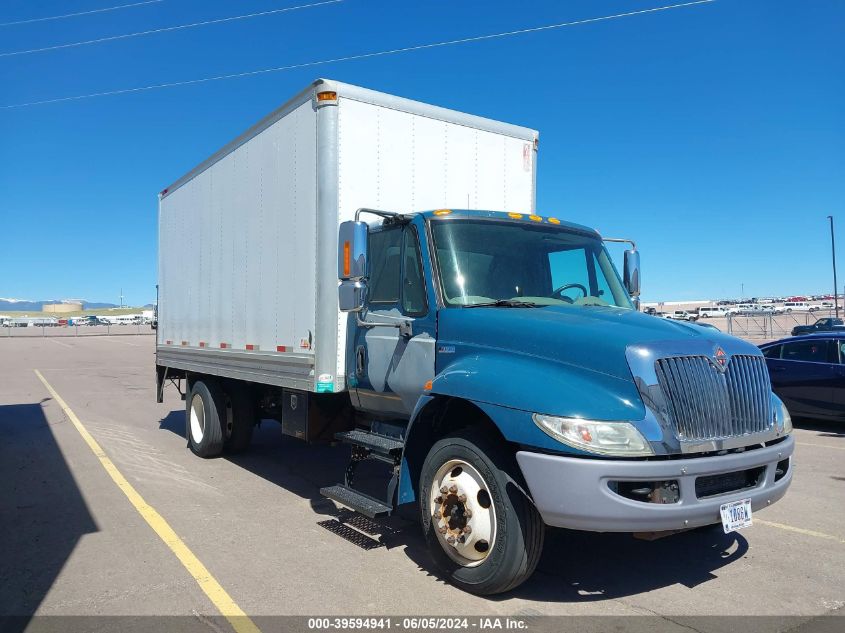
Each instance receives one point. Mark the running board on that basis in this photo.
(357, 501)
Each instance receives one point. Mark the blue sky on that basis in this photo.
(714, 135)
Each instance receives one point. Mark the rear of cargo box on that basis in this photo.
(237, 257)
(248, 239)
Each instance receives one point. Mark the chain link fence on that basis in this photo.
(759, 326)
(32, 330)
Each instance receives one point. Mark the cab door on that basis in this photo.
(393, 352)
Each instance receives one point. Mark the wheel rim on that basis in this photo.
(462, 512)
(197, 418)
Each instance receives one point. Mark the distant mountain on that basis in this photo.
(25, 305)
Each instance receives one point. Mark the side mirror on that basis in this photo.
(352, 251)
(352, 266)
(352, 295)
(631, 272)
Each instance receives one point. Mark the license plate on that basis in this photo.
(736, 515)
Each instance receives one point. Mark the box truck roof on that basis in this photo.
(363, 95)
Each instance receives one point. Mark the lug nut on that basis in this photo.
(444, 489)
(450, 540)
(442, 530)
(436, 515)
(453, 489)
(438, 499)
(467, 529)
(462, 498)
(468, 513)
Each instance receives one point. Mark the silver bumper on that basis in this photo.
(573, 492)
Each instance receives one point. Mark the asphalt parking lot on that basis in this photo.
(73, 544)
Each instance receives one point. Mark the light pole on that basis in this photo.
(833, 256)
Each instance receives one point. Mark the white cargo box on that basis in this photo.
(248, 239)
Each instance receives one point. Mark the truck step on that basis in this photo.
(380, 444)
(358, 501)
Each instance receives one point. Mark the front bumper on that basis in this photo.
(573, 492)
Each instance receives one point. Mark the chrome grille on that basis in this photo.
(705, 403)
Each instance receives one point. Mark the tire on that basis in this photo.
(486, 475)
(204, 410)
(241, 413)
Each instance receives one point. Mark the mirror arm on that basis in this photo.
(404, 325)
(389, 216)
(620, 240)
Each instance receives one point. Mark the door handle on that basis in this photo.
(360, 353)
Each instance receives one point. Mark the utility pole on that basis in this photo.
(833, 256)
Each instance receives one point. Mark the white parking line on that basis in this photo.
(836, 448)
(111, 340)
(59, 342)
(791, 528)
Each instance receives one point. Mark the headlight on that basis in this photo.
(783, 421)
(620, 439)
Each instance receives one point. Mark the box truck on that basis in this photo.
(372, 270)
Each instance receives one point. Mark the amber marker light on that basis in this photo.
(443, 212)
(346, 257)
(554, 221)
(515, 216)
(327, 96)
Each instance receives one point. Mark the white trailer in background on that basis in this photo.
(248, 239)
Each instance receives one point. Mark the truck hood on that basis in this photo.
(591, 338)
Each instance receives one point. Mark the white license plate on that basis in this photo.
(736, 515)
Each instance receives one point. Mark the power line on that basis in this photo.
(168, 28)
(73, 15)
(407, 49)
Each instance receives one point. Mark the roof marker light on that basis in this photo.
(554, 221)
(515, 216)
(327, 95)
(443, 212)
(535, 218)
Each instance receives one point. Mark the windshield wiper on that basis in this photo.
(503, 303)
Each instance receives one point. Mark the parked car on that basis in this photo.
(791, 306)
(705, 312)
(808, 374)
(821, 325)
(681, 315)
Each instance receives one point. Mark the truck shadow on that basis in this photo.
(575, 566)
(588, 567)
(43, 512)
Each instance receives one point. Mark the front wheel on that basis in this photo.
(481, 529)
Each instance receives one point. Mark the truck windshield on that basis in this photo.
(511, 264)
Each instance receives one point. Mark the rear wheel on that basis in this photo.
(481, 529)
(204, 411)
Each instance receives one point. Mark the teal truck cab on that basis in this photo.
(497, 363)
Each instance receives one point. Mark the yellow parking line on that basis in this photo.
(836, 448)
(215, 592)
(798, 530)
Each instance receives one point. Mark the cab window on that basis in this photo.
(396, 273)
(385, 247)
(414, 301)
